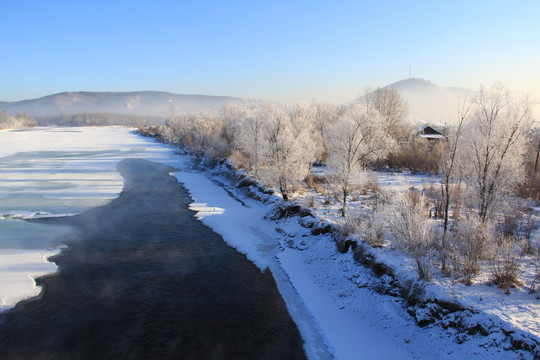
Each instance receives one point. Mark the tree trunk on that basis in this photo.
(343, 208)
(283, 189)
(444, 240)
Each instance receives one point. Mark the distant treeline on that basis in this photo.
(18, 121)
(97, 119)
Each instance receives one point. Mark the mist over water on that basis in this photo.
(59, 171)
(55, 172)
(142, 278)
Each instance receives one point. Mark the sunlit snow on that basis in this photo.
(48, 172)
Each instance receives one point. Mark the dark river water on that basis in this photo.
(143, 279)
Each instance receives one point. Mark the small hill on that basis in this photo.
(430, 103)
(140, 103)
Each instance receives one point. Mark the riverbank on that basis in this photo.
(346, 300)
(142, 278)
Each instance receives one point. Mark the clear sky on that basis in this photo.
(328, 50)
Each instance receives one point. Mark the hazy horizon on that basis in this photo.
(277, 50)
(367, 87)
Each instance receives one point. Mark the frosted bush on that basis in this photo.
(412, 230)
(469, 245)
(504, 264)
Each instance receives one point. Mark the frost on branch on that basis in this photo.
(353, 141)
(412, 230)
(494, 146)
(290, 149)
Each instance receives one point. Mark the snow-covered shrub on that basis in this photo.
(239, 160)
(374, 229)
(504, 264)
(375, 221)
(470, 242)
(536, 277)
(328, 198)
(310, 201)
(287, 210)
(412, 230)
(529, 226)
(418, 155)
(370, 183)
(351, 224)
(509, 223)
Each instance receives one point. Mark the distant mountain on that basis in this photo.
(140, 103)
(430, 103)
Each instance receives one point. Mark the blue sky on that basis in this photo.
(328, 50)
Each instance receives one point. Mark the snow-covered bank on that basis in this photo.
(54, 172)
(242, 226)
(517, 312)
(338, 293)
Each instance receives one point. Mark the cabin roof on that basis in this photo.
(428, 132)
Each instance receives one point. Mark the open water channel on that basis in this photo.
(141, 278)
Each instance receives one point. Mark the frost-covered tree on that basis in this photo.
(450, 170)
(289, 150)
(250, 138)
(494, 146)
(410, 226)
(450, 167)
(18, 121)
(178, 130)
(234, 116)
(325, 115)
(392, 108)
(197, 133)
(207, 128)
(353, 141)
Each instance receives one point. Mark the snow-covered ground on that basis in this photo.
(354, 320)
(328, 294)
(519, 310)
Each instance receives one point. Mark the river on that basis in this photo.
(142, 278)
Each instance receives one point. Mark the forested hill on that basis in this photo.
(140, 103)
